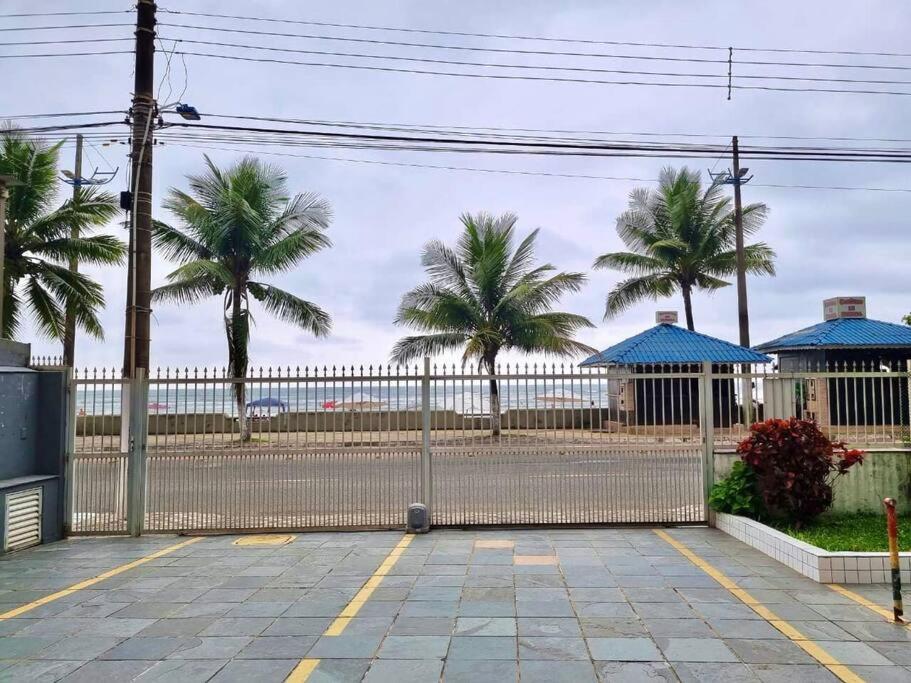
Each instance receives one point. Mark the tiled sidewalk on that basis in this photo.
(465, 606)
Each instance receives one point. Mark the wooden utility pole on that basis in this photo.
(743, 315)
(139, 278)
(69, 329)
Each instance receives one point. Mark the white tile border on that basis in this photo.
(818, 564)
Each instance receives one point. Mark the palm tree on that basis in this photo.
(681, 238)
(486, 295)
(39, 245)
(239, 224)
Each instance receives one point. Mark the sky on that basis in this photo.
(829, 243)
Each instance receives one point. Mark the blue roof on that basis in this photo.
(666, 343)
(843, 333)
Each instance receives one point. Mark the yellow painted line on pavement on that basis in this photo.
(869, 604)
(307, 666)
(815, 651)
(302, 671)
(97, 579)
(357, 602)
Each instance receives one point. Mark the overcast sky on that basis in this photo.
(828, 242)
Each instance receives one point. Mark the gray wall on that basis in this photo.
(33, 440)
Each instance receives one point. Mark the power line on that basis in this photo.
(65, 14)
(425, 60)
(557, 53)
(68, 54)
(541, 38)
(548, 174)
(553, 79)
(54, 28)
(62, 114)
(63, 42)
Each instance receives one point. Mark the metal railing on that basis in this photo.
(352, 447)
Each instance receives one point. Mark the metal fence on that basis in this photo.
(352, 447)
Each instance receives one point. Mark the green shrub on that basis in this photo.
(736, 494)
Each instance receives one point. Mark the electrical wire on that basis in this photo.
(539, 38)
(68, 54)
(552, 79)
(424, 60)
(64, 14)
(57, 115)
(547, 174)
(64, 42)
(372, 41)
(53, 28)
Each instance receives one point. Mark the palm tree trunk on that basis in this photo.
(237, 360)
(491, 363)
(688, 307)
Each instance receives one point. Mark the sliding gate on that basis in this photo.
(352, 448)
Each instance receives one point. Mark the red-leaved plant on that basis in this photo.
(795, 465)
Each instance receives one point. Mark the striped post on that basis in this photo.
(892, 526)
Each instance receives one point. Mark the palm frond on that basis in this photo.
(633, 290)
(46, 312)
(291, 309)
(188, 290)
(176, 245)
(629, 262)
(97, 250)
(291, 249)
(409, 348)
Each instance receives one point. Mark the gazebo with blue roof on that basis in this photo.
(848, 341)
(669, 348)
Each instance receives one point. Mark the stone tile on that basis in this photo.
(554, 648)
(182, 671)
(204, 609)
(898, 653)
(535, 560)
(189, 626)
(612, 627)
(314, 608)
(480, 608)
(714, 672)
(21, 647)
(429, 608)
(218, 647)
(821, 630)
(644, 672)
(477, 670)
(375, 626)
(601, 609)
(153, 648)
(485, 626)
(852, 653)
(678, 628)
(149, 610)
(346, 647)
(278, 647)
(549, 627)
(877, 631)
(422, 626)
(404, 671)
(745, 628)
(695, 650)
(543, 671)
(227, 595)
(789, 673)
(769, 652)
(36, 670)
(640, 595)
(672, 610)
(624, 649)
(483, 647)
(596, 595)
(298, 626)
(259, 609)
(107, 672)
(237, 626)
(434, 593)
(414, 647)
(243, 671)
(883, 674)
(340, 671)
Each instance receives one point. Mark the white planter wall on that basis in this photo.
(818, 564)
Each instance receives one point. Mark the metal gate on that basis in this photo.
(351, 448)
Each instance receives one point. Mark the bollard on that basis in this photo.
(892, 526)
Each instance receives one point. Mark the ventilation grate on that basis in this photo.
(23, 519)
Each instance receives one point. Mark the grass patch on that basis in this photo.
(861, 532)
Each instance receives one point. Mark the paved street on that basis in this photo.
(459, 606)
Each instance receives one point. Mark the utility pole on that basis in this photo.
(69, 330)
(139, 277)
(743, 315)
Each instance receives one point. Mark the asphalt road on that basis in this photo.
(353, 488)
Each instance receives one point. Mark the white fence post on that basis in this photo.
(138, 426)
(69, 453)
(707, 420)
(426, 465)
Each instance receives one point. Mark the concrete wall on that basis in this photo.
(862, 489)
(347, 421)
